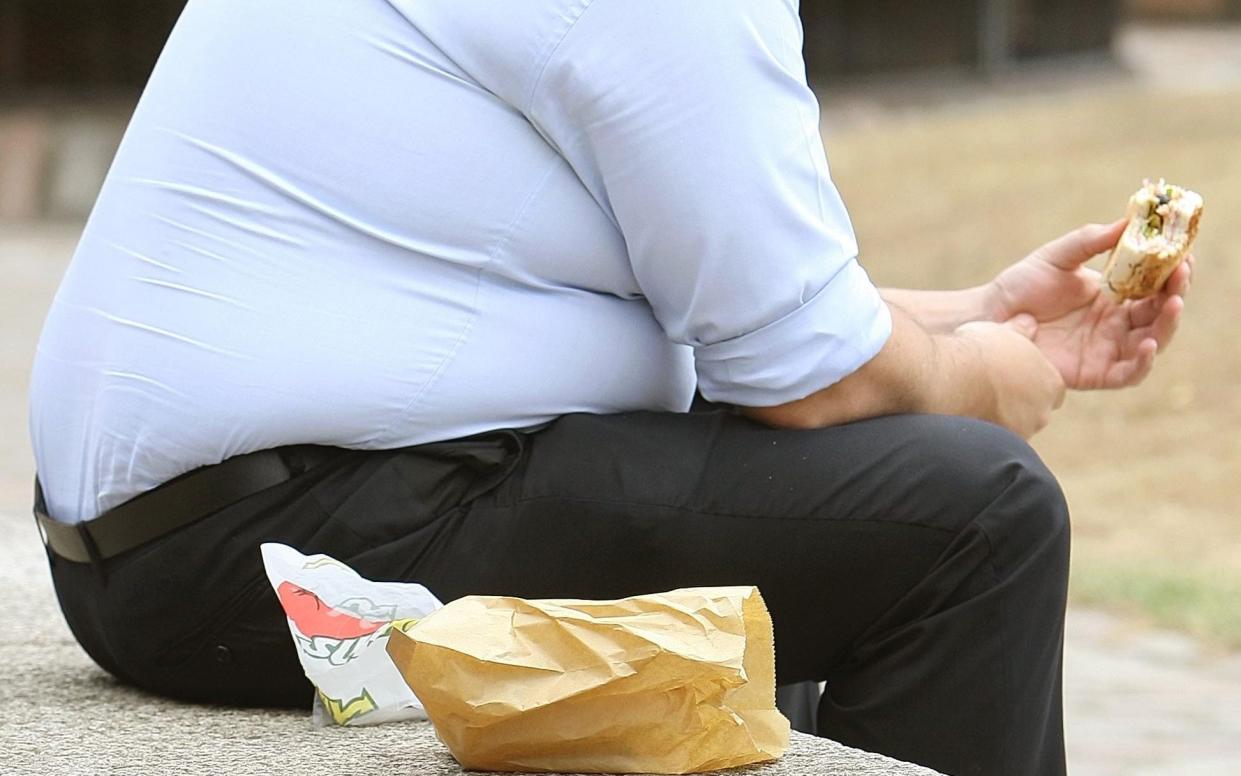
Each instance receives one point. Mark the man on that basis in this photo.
(458, 267)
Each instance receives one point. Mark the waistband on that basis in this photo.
(175, 504)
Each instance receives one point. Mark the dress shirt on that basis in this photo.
(378, 223)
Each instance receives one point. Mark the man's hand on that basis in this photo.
(1093, 341)
(1046, 326)
(1026, 387)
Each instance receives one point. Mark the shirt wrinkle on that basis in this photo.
(538, 79)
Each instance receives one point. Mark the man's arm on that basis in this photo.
(988, 371)
(743, 248)
(702, 146)
(1095, 343)
(941, 312)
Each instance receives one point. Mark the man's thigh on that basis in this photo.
(834, 526)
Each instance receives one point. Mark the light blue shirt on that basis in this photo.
(378, 223)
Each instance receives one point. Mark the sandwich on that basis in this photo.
(1163, 222)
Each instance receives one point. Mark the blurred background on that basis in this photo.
(962, 134)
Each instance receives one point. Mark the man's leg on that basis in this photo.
(916, 563)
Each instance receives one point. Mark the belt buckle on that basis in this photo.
(38, 521)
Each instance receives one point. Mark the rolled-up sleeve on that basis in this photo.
(692, 125)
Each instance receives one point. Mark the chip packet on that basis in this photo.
(340, 624)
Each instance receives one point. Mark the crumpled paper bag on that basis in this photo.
(340, 624)
(678, 682)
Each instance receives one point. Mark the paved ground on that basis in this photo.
(1149, 703)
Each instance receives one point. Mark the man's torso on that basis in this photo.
(321, 229)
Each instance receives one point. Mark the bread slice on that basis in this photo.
(1163, 222)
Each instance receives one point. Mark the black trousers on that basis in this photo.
(918, 564)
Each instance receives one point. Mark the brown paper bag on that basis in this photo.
(678, 682)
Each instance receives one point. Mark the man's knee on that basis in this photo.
(1018, 503)
(986, 477)
(1036, 494)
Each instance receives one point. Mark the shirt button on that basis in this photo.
(223, 654)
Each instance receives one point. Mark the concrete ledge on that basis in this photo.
(74, 719)
(65, 716)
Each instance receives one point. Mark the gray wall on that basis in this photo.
(93, 46)
(865, 36)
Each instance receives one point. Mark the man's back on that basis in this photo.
(320, 229)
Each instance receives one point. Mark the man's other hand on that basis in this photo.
(1093, 341)
(1026, 386)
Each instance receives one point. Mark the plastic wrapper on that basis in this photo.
(341, 624)
(678, 682)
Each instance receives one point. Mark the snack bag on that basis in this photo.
(678, 682)
(340, 624)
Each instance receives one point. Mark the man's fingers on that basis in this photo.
(1024, 324)
(1133, 371)
(1143, 312)
(1144, 362)
(1178, 283)
(1162, 318)
(1169, 319)
(1078, 246)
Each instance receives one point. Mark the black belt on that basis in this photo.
(175, 504)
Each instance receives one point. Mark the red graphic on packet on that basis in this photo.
(314, 618)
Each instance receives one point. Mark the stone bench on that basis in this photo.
(66, 716)
(806, 756)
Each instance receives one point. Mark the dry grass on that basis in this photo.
(946, 198)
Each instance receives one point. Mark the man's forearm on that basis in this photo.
(917, 371)
(940, 312)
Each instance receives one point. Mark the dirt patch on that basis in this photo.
(947, 198)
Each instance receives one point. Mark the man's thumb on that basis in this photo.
(1024, 324)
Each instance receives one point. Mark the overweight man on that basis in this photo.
(430, 286)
